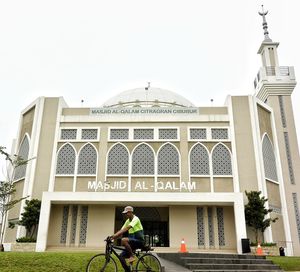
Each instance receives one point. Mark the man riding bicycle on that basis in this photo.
(135, 237)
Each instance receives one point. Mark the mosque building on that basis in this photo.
(183, 168)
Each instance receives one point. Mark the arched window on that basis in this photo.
(143, 160)
(269, 159)
(65, 164)
(23, 154)
(199, 160)
(87, 161)
(168, 160)
(221, 160)
(118, 160)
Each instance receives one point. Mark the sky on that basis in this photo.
(92, 50)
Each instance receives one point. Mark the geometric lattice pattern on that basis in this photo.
(199, 160)
(89, 134)
(20, 171)
(269, 159)
(119, 134)
(87, 161)
(74, 223)
(289, 157)
(297, 214)
(143, 160)
(83, 224)
(64, 225)
(219, 133)
(282, 111)
(65, 164)
(143, 134)
(118, 160)
(197, 133)
(167, 134)
(221, 234)
(210, 226)
(68, 134)
(221, 160)
(168, 160)
(200, 226)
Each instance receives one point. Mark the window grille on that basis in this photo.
(269, 159)
(210, 227)
(143, 134)
(74, 223)
(143, 160)
(199, 160)
(68, 134)
(219, 133)
(23, 154)
(221, 160)
(167, 134)
(200, 226)
(83, 224)
(197, 133)
(89, 134)
(282, 111)
(118, 160)
(297, 214)
(119, 134)
(168, 160)
(289, 158)
(64, 225)
(221, 234)
(87, 161)
(65, 164)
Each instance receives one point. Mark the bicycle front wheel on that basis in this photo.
(99, 263)
(148, 263)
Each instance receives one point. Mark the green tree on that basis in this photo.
(30, 216)
(256, 213)
(7, 188)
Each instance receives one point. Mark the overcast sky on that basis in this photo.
(94, 49)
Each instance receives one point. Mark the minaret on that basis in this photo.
(274, 85)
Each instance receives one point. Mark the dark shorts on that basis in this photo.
(134, 244)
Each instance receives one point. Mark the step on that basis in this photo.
(224, 270)
(225, 260)
(196, 266)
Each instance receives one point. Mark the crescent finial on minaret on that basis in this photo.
(265, 24)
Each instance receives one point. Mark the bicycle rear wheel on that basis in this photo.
(148, 263)
(99, 263)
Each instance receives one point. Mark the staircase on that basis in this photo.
(211, 262)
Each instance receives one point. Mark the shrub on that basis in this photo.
(26, 240)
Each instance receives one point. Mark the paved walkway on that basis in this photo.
(172, 267)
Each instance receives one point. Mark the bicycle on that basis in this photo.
(104, 262)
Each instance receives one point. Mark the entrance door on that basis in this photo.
(155, 221)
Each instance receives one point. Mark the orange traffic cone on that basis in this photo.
(259, 250)
(183, 246)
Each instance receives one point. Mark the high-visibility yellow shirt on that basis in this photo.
(136, 230)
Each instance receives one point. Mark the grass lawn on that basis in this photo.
(287, 263)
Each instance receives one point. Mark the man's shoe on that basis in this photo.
(131, 259)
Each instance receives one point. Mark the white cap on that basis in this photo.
(128, 209)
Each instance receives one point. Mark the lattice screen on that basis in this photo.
(167, 134)
(297, 213)
(168, 160)
(282, 111)
(200, 226)
(65, 164)
(269, 159)
(198, 133)
(221, 232)
(211, 236)
(89, 134)
(219, 133)
(289, 157)
(68, 134)
(23, 154)
(143, 160)
(119, 134)
(74, 223)
(143, 134)
(221, 160)
(87, 161)
(199, 160)
(64, 225)
(118, 160)
(83, 224)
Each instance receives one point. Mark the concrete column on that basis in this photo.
(240, 222)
